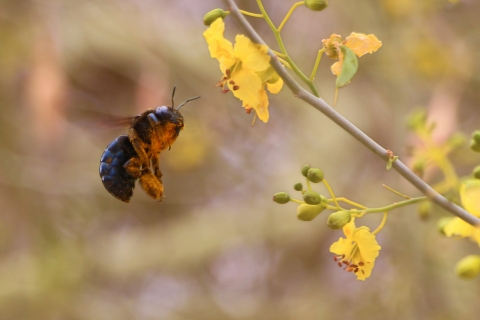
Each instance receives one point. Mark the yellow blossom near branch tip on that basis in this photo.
(470, 197)
(359, 43)
(356, 252)
(246, 69)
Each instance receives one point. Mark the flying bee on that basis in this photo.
(136, 156)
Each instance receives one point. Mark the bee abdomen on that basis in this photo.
(114, 177)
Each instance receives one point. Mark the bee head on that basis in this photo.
(169, 114)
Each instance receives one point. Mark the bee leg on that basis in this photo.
(156, 167)
(152, 185)
(134, 167)
(138, 146)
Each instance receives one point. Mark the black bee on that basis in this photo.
(137, 155)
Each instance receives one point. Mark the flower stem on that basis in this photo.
(295, 6)
(317, 63)
(382, 224)
(255, 15)
(280, 43)
(330, 191)
(396, 205)
(396, 192)
(351, 203)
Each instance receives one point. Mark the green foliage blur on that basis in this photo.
(218, 247)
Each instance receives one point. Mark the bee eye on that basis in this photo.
(163, 111)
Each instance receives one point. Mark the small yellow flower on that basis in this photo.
(357, 251)
(470, 197)
(246, 69)
(359, 43)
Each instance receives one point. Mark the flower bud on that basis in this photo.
(424, 210)
(311, 197)
(315, 175)
(305, 169)
(476, 136)
(442, 223)
(281, 197)
(476, 172)
(468, 267)
(306, 212)
(298, 186)
(213, 15)
(474, 146)
(338, 219)
(316, 5)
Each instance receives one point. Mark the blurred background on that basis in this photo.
(217, 247)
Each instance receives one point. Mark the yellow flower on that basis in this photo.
(470, 197)
(246, 69)
(359, 43)
(357, 251)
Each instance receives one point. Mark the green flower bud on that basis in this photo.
(476, 172)
(213, 15)
(338, 219)
(468, 267)
(315, 175)
(306, 212)
(424, 210)
(474, 146)
(305, 169)
(298, 186)
(311, 197)
(442, 223)
(476, 136)
(316, 5)
(281, 197)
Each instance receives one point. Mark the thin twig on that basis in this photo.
(346, 125)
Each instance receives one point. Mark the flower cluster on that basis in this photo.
(357, 251)
(245, 67)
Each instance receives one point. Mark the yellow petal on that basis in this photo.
(458, 227)
(331, 46)
(275, 87)
(262, 107)
(219, 47)
(253, 56)
(337, 67)
(341, 246)
(249, 84)
(470, 196)
(349, 228)
(362, 44)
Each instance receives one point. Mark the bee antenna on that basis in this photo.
(186, 102)
(173, 94)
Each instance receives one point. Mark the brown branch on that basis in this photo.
(346, 125)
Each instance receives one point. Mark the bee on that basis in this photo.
(136, 156)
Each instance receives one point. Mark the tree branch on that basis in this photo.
(346, 125)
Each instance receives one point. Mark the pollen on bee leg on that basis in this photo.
(152, 185)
